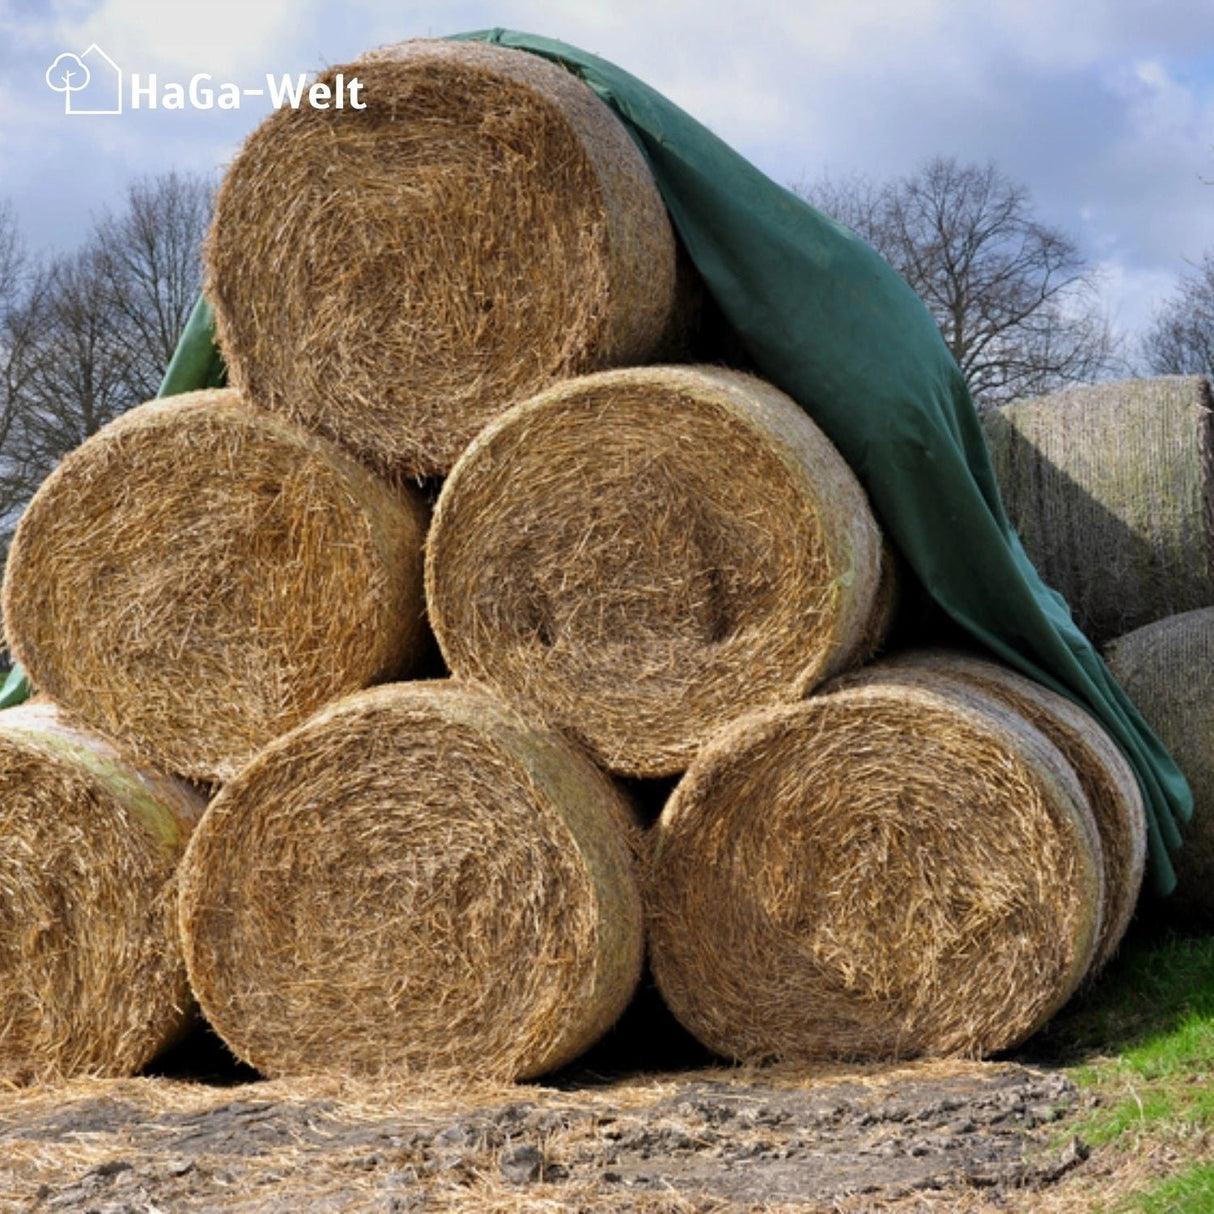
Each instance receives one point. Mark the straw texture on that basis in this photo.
(1106, 777)
(92, 979)
(198, 577)
(642, 555)
(1110, 489)
(878, 872)
(1166, 669)
(413, 881)
(395, 276)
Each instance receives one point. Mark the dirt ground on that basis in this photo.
(939, 1136)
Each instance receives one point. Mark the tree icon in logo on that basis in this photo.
(67, 75)
(91, 82)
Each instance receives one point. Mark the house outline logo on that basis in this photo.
(91, 82)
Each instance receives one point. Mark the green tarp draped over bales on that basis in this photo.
(832, 324)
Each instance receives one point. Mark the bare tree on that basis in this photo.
(12, 254)
(1016, 302)
(1180, 340)
(85, 369)
(87, 335)
(148, 257)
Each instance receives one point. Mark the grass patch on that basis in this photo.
(1192, 1190)
(1140, 1044)
(1153, 1005)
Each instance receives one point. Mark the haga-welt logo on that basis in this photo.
(92, 83)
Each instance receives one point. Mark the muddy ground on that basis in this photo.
(936, 1136)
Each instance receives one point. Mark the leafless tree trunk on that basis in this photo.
(1014, 299)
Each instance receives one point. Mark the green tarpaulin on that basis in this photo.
(828, 321)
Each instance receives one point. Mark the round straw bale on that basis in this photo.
(92, 979)
(878, 872)
(1166, 668)
(414, 880)
(198, 577)
(642, 555)
(395, 275)
(1110, 488)
(1106, 777)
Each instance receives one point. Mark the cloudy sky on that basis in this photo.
(1104, 109)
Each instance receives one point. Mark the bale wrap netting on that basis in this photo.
(878, 872)
(641, 555)
(1107, 779)
(415, 880)
(1166, 668)
(1110, 489)
(92, 979)
(394, 276)
(198, 577)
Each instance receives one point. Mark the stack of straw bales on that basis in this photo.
(632, 570)
(1110, 488)
(202, 577)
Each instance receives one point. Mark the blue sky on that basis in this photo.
(1104, 109)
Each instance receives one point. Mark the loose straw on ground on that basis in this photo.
(1110, 488)
(394, 276)
(879, 872)
(92, 979)
(642, 555)
(414, 881)
(199, 577)
(1166, 667)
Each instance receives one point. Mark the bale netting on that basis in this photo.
(642, 555)
(1110, 488)
(395, 275)
(415, 880)
(1166, 669)
(879, 872)
(1106, 777)
(92, 979)
(198, 577)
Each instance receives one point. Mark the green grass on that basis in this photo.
(1154, 1005)
(1191, 1192)
(1140, 1044)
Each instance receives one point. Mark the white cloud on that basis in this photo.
(1133, 294)
(225, 37)
(1103, 108)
